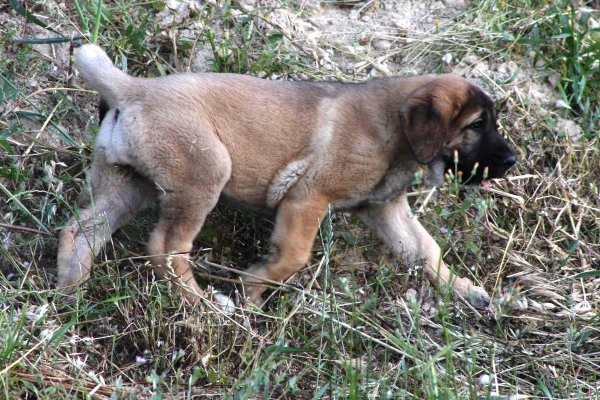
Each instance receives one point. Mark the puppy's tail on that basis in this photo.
(98, 71)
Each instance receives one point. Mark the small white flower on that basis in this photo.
(79, 363)
(205, 358)
(46, 334)
(141, 360)
(34, 313)
(447, 58)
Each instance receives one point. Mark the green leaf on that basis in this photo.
(348, 238)
(321, 391)
(274, 38)
(25, 13)
(588, 274)
(5, 133)
(574, 247)
(530, 41)
(48, 40)
(284, 350)
(508, 36)
(465, 206)
(512, 77)
(161, 69)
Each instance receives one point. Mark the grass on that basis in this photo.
(362, 326)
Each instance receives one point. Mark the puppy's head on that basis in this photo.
(450, 114)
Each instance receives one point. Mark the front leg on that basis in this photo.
(296, 226)
(407, 238)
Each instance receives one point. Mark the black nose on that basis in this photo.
(510, 161)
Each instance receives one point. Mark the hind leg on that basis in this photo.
(117, 194)
(192, 193)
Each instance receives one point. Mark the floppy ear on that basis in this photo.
(425, 121)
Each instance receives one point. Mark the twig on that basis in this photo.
(26, 229)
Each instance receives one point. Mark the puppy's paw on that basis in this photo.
(478, 297)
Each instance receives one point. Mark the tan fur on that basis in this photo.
(293, 148)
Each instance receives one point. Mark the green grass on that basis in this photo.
(355, 324)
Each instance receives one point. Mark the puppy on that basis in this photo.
(293, 148)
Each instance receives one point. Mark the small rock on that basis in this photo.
(365, 18)
(540, 63)
(483, 380)
(458, 5)
(471, 59)
(381, 44)
(176, 11)
(581, 307)
(314, 5)
(166, 20)
(326, 55)
(507, 69)
(202, 60)
(553, 79)
(225, 302)
(172, 4)
(410, 295)
(402, 23)
(541, 94)
(573, 131)
(374, 73)
(328, 67)
(521, 304)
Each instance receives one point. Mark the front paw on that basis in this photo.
(478, 297)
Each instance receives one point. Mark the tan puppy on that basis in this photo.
(290, 147)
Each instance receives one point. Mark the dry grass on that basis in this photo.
(363, 326)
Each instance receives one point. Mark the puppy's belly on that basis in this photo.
(262, 187)
(246, 205)
(248, 189)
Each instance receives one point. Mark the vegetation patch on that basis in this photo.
(356, 323)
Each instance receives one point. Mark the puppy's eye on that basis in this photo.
(476, 124)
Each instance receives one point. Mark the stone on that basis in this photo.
(458, 5)
(381, 44)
